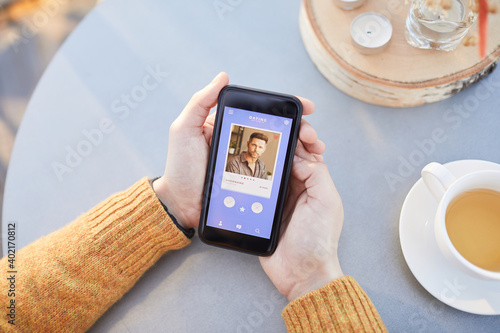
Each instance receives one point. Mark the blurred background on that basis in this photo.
(31, 32)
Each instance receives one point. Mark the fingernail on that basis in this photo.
(296, 158)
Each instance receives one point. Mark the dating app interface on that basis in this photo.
(248, 171)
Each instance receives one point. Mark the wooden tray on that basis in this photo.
(399, 76)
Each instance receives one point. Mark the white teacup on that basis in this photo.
(445, 187)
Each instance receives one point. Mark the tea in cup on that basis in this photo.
(467, 221)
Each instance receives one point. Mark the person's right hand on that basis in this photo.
(306, 257)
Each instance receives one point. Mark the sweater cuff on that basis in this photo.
(340, 306)
(133, 229)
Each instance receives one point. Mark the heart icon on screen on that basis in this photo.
(276, 137)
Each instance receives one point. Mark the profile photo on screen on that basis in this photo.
(252, 152)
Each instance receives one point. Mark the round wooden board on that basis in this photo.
(399, 76)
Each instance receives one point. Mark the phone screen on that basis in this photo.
(248, 171)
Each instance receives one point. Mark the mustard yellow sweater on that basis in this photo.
(60, 286)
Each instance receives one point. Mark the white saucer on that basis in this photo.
(445, 282)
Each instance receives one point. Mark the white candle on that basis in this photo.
(371, 32)
(349, 4)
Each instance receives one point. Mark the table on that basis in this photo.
(201, 288)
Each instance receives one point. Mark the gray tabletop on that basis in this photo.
(201, 288)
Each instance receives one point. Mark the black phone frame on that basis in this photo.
(265, 102)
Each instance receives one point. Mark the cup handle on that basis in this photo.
(437, 179)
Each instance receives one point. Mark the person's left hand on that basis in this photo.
(190, 135)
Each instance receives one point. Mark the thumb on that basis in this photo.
(196, 111)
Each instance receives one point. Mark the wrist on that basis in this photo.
(317, 281)
(161, 191)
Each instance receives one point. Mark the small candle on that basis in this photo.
(371, 32)
(349, 4)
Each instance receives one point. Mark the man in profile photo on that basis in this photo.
(248, 162)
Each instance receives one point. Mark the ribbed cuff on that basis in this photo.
(189, 233)
(340, 306)
(133, 229)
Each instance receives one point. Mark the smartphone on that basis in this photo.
(253, 143)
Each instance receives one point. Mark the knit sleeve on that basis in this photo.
(340, 306)
(66, 280)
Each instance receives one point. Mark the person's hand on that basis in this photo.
(306, 257)
(181, 186)
(190, 135)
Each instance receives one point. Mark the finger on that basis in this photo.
(307, 105)
(302, 153)
(307, 133)
(315, 148)
(211, 119)
(316, 178)
(196, 111)
(319, 158)
(208, 127)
